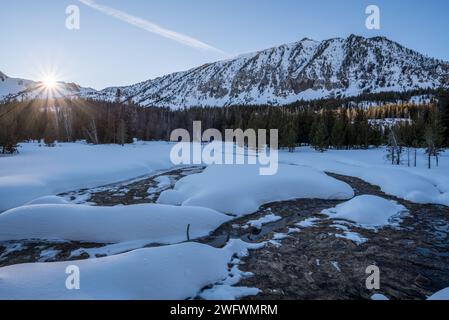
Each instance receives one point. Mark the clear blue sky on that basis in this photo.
(107, 51)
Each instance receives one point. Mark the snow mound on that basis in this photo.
(155, 223)
(174, 272)
(240, 190)
(41, 171)
(48, 200)
(440, 295)
(227, 292)
(368, 212)
(415, 184)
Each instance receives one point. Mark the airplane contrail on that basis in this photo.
(152, 27)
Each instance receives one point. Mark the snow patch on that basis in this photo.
(369, 212)
(156, 223)
(173, 272)
(240, 190)
(440, 295)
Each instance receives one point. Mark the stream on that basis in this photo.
(306, 256)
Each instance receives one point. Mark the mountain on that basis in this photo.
(16, 88)
(11, 86)
(305, 70)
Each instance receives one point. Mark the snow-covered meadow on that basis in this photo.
(39, 171)
(180, 269)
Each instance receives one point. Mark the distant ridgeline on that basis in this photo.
(416, 118)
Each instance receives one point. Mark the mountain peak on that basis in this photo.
(304, 70)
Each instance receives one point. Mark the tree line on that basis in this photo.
(334, 126)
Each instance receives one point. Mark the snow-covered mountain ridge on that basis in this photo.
(308, 69)
(19, 89)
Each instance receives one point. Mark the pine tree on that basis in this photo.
(290, 134)
(319, 134)
(337, 139)
(443, 102)
(50, 134)
(8, 135)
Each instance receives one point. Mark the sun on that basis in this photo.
(50, 82)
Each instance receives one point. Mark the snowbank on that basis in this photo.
(155, 223)
(48, 200)
(41, 171)
(172, 272)
(368, 211)
(419, 185)
(440, 295)
(240, 190)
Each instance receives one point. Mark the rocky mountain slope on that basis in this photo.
(306, 70)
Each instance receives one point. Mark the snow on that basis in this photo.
(10, 248)
(174, 272)
(262, 221)
(30, 180)
(440, 295)
(336, 265)
(307, 223)
(389, 122)
(379, 297)
(11, 86)
(280, 236)
(225, 289)
(227, 292)
(264, 77)
(272, 69)
(419, 185)
(48, 200)
(353, 236)
(41, 171)
(241, 190)
(163, 183)
(368, 212)
(48, 254)
(110, 249)
(155, 223)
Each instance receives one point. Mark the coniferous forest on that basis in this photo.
(322, 124)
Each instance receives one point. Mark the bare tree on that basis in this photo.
(121, 132)
(394, 147)
(91, 132)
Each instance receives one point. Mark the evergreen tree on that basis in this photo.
(319, 134)
(50, 134)
(290, 134)
(443, 102)
(338, 134)
(8, 135)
